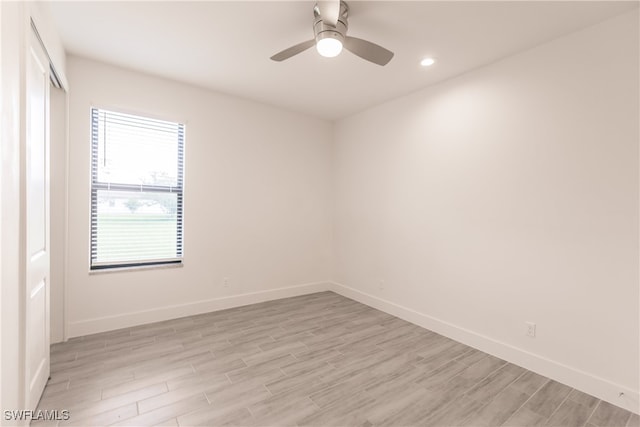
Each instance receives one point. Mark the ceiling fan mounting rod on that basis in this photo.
(322, 29)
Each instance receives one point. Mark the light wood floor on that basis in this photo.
(319, 359)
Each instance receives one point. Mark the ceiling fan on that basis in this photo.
(330, 35)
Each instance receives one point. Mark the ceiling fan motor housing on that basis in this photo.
(323, 30)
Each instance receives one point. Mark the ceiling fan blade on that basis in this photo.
(293, 50)
(329, 11)
(367, 50)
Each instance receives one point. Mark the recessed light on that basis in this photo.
(427, 62)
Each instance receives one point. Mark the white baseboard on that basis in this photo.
(580, 380)
(109, 323)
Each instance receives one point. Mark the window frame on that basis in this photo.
(97, 185)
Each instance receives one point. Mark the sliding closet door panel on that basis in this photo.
(37, 223)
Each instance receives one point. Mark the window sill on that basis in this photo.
(135, 268)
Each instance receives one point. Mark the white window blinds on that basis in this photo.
(137, 168)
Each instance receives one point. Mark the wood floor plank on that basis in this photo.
(495, 382)
(167, 413)
(399, 381)
(239, 395)
(530, 382)
(106, 418)
(216, 416)
(392, 410)
(455, 412)
(269, 367)
(471, 357)
(435, 378)
(346, 411)
(305, 384)
(479, 370)
(525, 418)
(55, 400)
(197, 379)
(340, 391)
(583, 399)
(498, 410)
(274, 352)
(282, 410)
(83, 410)
(173, 396)
(548, 398)
(219, 365)
(173, 422)
(101, 378)
(115, 390)
(608, 415)
(570, 414)
(446, 353)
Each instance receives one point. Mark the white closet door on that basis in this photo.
(36, 217)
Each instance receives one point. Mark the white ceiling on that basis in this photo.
(225, 46)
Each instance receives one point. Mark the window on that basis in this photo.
(136, 190)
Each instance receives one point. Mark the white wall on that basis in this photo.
(257, 202)
(506, 195)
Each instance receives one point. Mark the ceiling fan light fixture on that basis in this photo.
(329, 47)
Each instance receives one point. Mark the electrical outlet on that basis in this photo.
(531, 329)
(225, 282)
